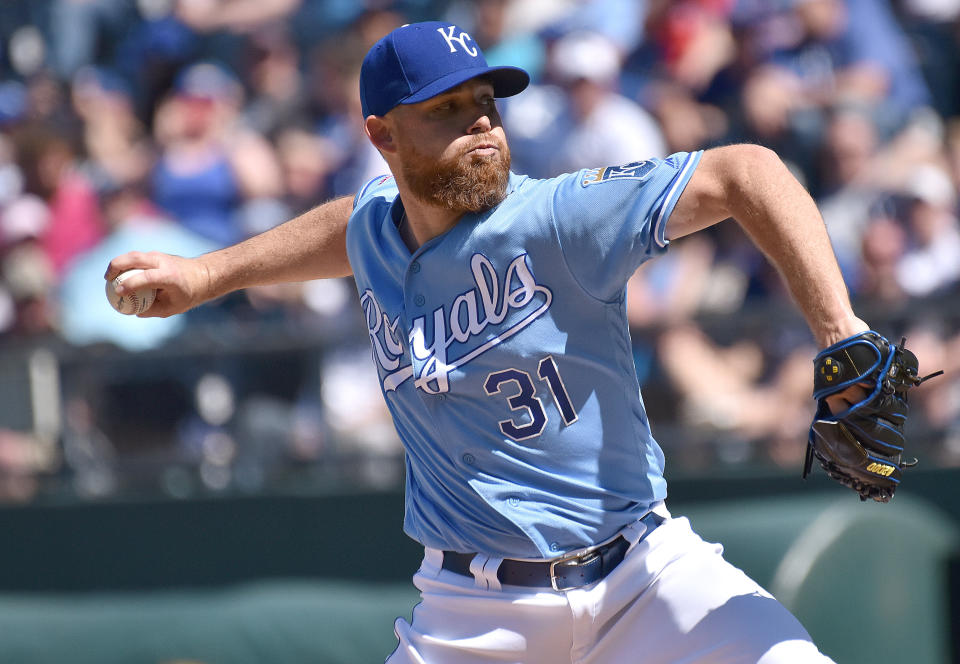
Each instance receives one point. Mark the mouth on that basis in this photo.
(484, 149)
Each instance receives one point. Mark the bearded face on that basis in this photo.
(466, 182)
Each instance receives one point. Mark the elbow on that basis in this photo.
(748, 163)
(734, 181)
(750, 171)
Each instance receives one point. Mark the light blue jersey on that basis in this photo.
(505, 359)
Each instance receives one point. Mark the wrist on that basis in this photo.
(211, 276)
(840, 329)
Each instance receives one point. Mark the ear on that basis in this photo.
(380, 133)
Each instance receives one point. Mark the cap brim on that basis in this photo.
(507, 81)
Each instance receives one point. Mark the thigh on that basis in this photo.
(458, 623)
(675, 599)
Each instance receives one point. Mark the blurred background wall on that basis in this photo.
(234, 467)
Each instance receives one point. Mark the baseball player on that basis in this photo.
(494, 305)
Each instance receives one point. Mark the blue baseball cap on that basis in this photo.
(419, 61)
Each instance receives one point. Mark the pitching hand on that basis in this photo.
(181, 283)
(841, 401)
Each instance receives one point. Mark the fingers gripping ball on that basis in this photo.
(133, 303)
(861, 444)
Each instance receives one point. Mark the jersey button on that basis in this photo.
(554, 546)
(415, 267)
(419, 300)
(469, 459)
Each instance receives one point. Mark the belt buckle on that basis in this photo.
(578, 558)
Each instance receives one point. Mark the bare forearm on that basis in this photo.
(311, 246)
(752, 185)
(783, 221)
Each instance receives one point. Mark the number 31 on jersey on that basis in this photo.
(531, 414)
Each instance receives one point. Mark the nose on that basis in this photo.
(481, 125)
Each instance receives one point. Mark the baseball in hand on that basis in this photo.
(133, 303)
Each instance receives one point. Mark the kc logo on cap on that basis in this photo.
(412, 64)
(460, 39)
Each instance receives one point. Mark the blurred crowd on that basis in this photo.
(187, 125)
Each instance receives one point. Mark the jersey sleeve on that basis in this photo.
(610, 220)
(382, 186)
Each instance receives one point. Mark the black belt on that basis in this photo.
(561, 573)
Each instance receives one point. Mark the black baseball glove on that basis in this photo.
(861, 447)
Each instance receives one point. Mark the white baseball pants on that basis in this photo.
(672, 600)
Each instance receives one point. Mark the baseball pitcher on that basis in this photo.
(494, 305)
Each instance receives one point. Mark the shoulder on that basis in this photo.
(585, 187)
(371, 209)
(632, 175)
(382, 187)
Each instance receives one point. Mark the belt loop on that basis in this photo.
(484, 573)
(637, 530)
(634, 532)
(432, 561)
(490, 569)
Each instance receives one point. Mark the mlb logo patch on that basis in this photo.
(637, 170)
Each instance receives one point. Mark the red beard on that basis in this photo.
(468, 183)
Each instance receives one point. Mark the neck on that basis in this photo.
(424, 221)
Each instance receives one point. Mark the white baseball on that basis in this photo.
(132, 303)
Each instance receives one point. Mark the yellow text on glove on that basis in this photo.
(880, 469)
